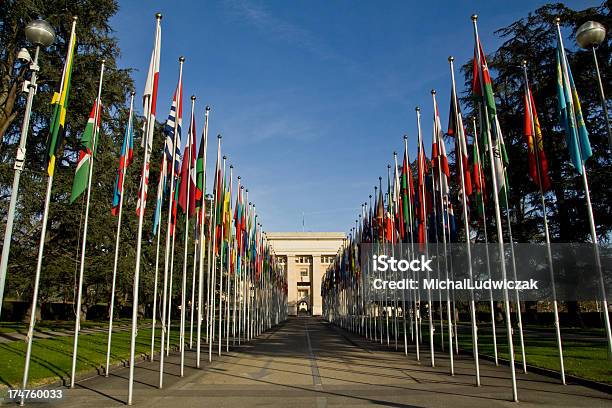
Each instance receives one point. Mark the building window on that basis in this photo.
(303, 259)
(304, 272)
(327, 259)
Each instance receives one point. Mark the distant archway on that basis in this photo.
(303, 307)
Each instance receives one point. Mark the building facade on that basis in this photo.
(305, 257)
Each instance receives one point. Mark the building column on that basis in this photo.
(317, 275)
(292, 294)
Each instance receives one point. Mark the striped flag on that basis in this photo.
(88, 149)
(172, 151)
(126, 158)
(149, 104)
(60, 100)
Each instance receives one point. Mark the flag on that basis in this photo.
(161, 189)
(439, 159)
(60, 100)
(188, 170)
(149, 105)
(126, 158)
(482, 83)
(457, 129)
(200, 191)
(538, 165)
(88, 147)
(570, 112)
(479, 181)
(407, 195)
(172, 151)
(421, 199)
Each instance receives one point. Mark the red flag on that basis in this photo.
(535, 144)
(188, 182)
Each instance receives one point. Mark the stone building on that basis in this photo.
(305, 257)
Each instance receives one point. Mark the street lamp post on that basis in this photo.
(590, 35)
(39, 33)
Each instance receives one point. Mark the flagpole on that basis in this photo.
(77, 323)
(466, 226)
(500, 236)
(424, 206)
(188, 148)
(171, 282)
(587, 194)
(545, 216)
(443, 202)
(229, 264)
(202, 238)
(212, 267)
(160, 185)
(118, 238)
(147, 144)
(193, 276)
(415, 313)
(9, 230)
(435, 226)
(221, 261)
(169, 228)
(486, 239)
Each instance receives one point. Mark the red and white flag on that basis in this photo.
(149, 104)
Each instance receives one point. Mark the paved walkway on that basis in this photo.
(308, 363)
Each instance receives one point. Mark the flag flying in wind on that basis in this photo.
(536, 158)
(407, 196)
(457, 129)
(421, 196)
(88, 150)
(149, 105)
(570, 112)
(161, 190)
(60, 100)
(172, 149)
(188, 171)
(200, 192)
(482, 88)
(126, 158)
(439, 160)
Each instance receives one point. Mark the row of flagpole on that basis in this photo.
(349, 299)
(243, 284)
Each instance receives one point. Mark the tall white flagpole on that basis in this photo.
(169, 233)
(160, 193)
(500, 236)
(196, 243)
(118, 238)
(77, 323)
(147, 143)
(221, 261)
(212, 263)
(423, 203)
(41, 245)
(465, 224)
(229, 265)
(186, 236)
(443, 205)
(536, 147)
(202, 239)
(486, 240)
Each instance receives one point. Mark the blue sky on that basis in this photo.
(312, 97)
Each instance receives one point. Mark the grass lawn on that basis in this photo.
(46, 325)
(583, 357)
(52, 358)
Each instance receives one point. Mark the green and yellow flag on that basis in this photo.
(60, 100)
